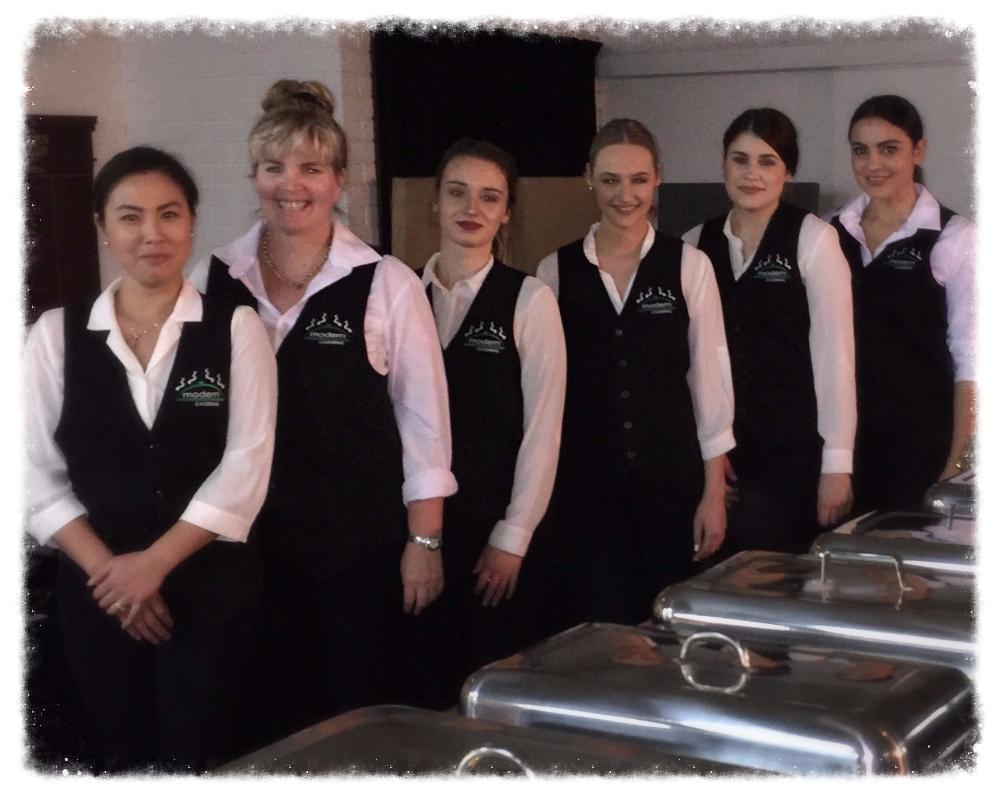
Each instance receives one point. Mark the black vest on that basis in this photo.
(767, 330)
(628, 405)
(905, 373)
(484, 394)
(335, 497)
(136, 482)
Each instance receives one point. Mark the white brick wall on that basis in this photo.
(197, 95)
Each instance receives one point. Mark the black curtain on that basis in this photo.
(532, 95)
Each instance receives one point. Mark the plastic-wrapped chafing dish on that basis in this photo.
(789, 709)
(863, 603)
(399, 740)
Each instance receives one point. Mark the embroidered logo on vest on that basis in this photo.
(904, 258)
(208, 390)
(656, 301)
(485, 337)
(773, 269)
(326, 331)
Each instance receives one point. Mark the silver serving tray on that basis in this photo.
(795, 710)
(861, 603)
(920, 540)
(399, 740)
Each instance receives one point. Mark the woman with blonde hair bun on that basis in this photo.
(363, 444)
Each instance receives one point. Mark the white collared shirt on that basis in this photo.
(541, 346)
(229, 499)
(400, 338)
(709, 377)
(827, 279)
(953, 265)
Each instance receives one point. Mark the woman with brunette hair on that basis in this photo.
(786, 298)
(505, 359)
(913, 268)
(648, 418)
(150, 427)
(351, 527)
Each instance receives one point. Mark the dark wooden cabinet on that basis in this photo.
(62, 259)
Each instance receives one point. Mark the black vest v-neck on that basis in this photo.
(136, 482)
(767, 330)
(628, 404)
(905, 373)
(484, 394)
(335, 497)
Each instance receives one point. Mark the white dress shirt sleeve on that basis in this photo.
(541, 346)
(953, 264)
(417, 387)
(49, 498)
(709, 376)
(230, 498)
(827, 279)
(548, 272)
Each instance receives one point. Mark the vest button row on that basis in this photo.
(631, 454)
(154, 445)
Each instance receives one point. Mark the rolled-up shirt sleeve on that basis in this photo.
(709, 377)
(417, 387)
(827, 279)
(230, 498)
(49, 499)
(541, 346)
(953, 263)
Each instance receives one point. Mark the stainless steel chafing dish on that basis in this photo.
(859, 602)
(954, 498)
(919, 539)
(787, 709)
(399, 740)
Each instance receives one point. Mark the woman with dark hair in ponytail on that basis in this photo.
(505, 360)
(786, 296)
(913, 274)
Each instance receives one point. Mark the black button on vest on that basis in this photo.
(484, 394)
(905, 373)
(335, 497)
(766, 313)
(136, 482)
(628, 405)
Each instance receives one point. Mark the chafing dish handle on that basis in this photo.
(883, 558)
(473, 756)
(744, 657)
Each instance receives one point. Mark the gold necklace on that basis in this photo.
(265, 256)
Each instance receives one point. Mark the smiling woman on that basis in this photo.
(145, 478)
(640, 487)
(350, 529)
(786, 298)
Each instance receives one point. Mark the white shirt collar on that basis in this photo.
(188, 308)
(474, 281)
(590, 248)
(346, 252)
(926, 214)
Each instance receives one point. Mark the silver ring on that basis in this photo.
(117, 606)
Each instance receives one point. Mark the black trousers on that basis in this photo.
(619, 550)
(323, 647)
(776, 509)
(169, 705)
(457, 634)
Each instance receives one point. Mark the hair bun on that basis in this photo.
(288, 92)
